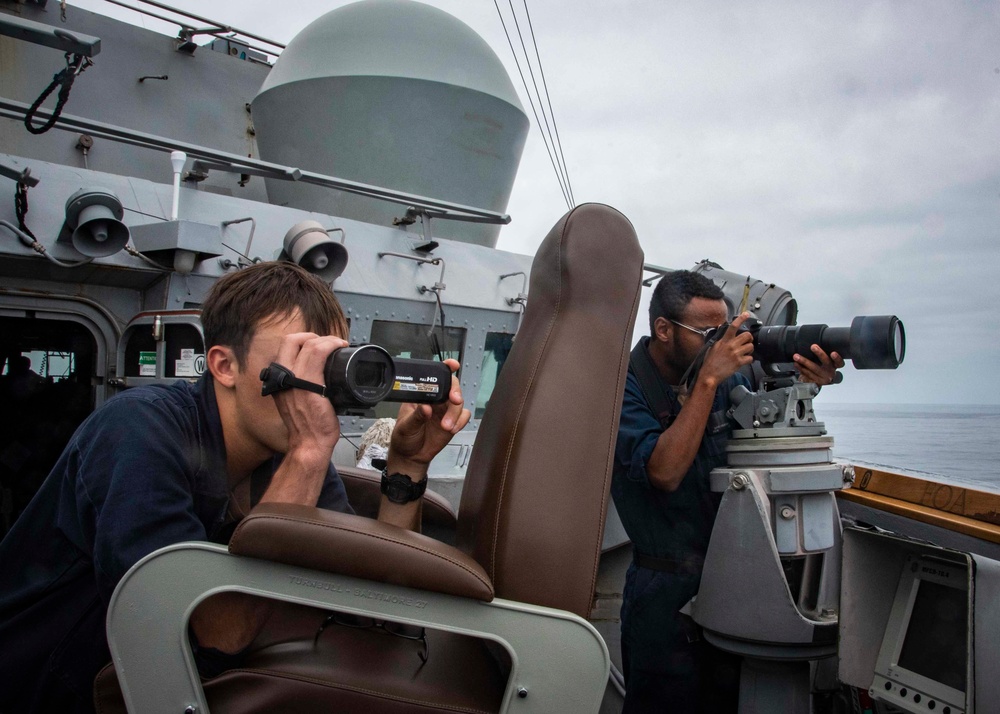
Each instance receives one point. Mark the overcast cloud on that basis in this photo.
(847, 151)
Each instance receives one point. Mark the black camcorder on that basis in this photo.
(871, 342)
(359, 377)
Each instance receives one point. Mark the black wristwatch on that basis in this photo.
(398, 488)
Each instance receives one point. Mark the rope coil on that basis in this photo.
(76, 64)
(21, 208)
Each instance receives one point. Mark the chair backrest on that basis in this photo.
(536, 490)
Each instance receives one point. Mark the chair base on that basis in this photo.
(347, 669)
(558, 661)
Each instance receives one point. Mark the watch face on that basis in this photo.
(398, 492)
(400, 489)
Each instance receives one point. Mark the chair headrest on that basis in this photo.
(536, 490)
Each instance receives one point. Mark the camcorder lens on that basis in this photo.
(358, 377)
(369, 374)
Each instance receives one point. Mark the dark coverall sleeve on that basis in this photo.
(334, 496)
(137, 482)
(139, 471)
(638, 432)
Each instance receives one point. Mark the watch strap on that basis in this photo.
(399, 488)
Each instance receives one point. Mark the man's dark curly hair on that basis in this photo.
(238, 303)
(675, 290)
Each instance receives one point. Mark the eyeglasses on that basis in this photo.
(360, 622)
(704, 332)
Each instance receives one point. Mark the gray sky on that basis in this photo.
(847, 151)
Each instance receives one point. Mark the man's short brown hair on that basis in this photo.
(239, 302)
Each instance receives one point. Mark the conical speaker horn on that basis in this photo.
(93, 215)
(308, 244)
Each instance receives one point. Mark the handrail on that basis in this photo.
(223, 27)
(657, 271)
(68, 122)
(55, 37)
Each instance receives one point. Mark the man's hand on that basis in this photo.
(311, 423)
(422, 430)
(733, 350)
(313, 428)
(823, 373)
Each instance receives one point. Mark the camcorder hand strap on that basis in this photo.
(276, 378)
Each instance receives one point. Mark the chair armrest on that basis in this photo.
(319, 539)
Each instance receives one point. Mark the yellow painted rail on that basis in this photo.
(951, 506)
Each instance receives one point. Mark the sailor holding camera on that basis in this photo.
(164, 464)
(672, 433)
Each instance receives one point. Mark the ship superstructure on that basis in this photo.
(378, 150)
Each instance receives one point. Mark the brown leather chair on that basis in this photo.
(504, 611)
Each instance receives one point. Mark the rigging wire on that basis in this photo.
(548, 99)
(545, 117)
(548, 131)
(531, 101)
(550, 149)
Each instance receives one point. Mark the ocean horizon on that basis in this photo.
(951, 442)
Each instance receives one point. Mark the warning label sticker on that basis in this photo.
(147, 364)
(189, 365)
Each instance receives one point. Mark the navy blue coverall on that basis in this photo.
(667, 666)
(146, 470)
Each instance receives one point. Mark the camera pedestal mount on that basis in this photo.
(770, 586)
(786, 411)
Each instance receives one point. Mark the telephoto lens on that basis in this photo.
(871, 342)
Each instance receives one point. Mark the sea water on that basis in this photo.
(954, 443)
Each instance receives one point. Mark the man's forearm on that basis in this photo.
(229, 621)
(677, 446)
(299, 479)
(404, 515)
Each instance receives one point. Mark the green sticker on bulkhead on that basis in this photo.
(147, 364)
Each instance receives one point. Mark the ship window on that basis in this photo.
(405, 339)
(497, 348)
(53, 366)
(183, 350)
